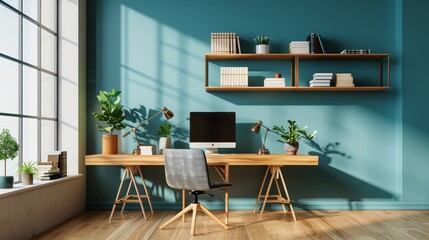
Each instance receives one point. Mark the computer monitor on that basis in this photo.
(212, 130)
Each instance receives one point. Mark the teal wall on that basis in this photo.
(371, 144)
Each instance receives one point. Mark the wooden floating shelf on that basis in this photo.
(298, 89)
(285, 56)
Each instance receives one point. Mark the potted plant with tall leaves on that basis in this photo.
(112, 115)
(262, 46)
(8, 149)
(164, 132)
(290, 137)
(28, 170)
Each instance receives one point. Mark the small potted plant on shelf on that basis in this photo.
(8, 149)
(262, 46)
(112, 114)
(28, 170)
(164, 131)
(290, 137)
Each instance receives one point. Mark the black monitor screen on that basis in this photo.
(212, 127)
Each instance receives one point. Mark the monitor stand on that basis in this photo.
(212, 151)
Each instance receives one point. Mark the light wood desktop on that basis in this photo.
(221, 162)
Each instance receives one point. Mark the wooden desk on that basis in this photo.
(220, 161)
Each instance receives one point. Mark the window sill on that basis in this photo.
(21, 188)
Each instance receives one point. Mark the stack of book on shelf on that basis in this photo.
(225, 43)
(321, 80)
(147, 149)
(315, 42)
(344, 80)
(274, 82)
(356, 51)
(48, 170)
(234, 76)
(299, 47)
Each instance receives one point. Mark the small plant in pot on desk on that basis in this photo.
(291, 136)
(262, 46)
(164, 131)
(112, 114)
(8, 149)
(28, 170)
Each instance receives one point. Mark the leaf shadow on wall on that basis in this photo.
(328, 182)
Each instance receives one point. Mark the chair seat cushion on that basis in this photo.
(218, 185)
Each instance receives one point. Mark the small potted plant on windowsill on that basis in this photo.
(8, 149)
(164, 131)
(112, 114)
(262, 46)
(28, 170)
(290, 137)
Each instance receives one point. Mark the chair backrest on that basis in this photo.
(186, 169)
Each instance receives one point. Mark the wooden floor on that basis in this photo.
(245, 225)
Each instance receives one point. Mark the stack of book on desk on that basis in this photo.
(147, 149)
(48, 170)
(274, 82)
(344, 80)
(299, 47)
(321, 80)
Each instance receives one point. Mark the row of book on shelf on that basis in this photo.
(55, 166)
(234, 76)
(225, 43)
(327, 80)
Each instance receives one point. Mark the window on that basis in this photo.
(28, 77)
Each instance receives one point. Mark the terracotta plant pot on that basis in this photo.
(110, 144)
(291, 148)
(27, 179)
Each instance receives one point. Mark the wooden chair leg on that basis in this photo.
(183, 204)
(260, 189)
(194, 218)
(208, 213)
(117, 195)
(181, 213)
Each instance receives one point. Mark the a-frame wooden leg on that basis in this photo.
(145, 188)
(117, 195)
(280, 193)
(261, 189)
(137, 192)
(287, 195)
(128, 191)
(267, 193)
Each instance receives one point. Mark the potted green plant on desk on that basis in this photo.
(290, 137)
(28, 170)
(8, 149)
(164, 132)
(112, 114)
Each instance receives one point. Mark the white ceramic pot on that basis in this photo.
(262, 48)
(164, 142)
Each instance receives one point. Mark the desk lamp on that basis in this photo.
(256, 128)
(168, 115)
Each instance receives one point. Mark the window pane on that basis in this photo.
(9, 86)
(48, 51)
(30, 43)
(9, 28)
(12, 124)
(48, 95)
(49, 10)
(13, 3)
(30, 8)
(29, 140)
(48, 132)
(30, 91)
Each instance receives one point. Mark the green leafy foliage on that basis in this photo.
(262, 39)
(293, 133)
(8, 147)
(164, 130)
(28, 168)
(112, 113)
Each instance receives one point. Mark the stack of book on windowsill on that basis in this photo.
(344, 80)
(321, 80)
(274, 82)
(48, 170)
(147, 149)
(299, 47)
